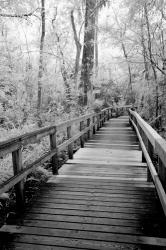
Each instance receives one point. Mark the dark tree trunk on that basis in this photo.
(88, 51)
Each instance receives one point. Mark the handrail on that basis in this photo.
(87, 125)
(153, 147)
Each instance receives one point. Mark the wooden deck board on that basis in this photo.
(100, 200)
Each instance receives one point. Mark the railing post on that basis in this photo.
(94, 126)
(89, 131)
(70, 147)
(102, 122)
(150, 152)
(104, 116)
(162, 173)
(19, 187)
(82, 136)
(98, 122)
(54, 160)
(108, 114)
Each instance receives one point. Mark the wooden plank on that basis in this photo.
(83, 227)
(93, 214)
(151, 206)
(20, 246)
(105, 177)
(95, 207)
(92, 189)
(101, 194)
(83, 219)
(83, 239)
(107, 162)
(98, 198)
(99, 181)
(114, 186)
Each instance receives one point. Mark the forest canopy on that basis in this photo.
(60, 59)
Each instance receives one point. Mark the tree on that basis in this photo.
(40, 73)
(89, 55)
(78, 49)
(88, 50)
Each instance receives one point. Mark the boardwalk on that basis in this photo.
(100, 200)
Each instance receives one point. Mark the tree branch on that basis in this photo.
(19, 15)
(76, 39)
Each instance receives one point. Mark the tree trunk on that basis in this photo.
(129, 68)
(40, 73)
(64, 73)
(78, 50)
(96, 41)
(88, 51)
(151, 59)
(144, 52)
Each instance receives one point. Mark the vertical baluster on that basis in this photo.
(102, 116)
(19, 187)
(162, 173)
(98, 122)
(150, 152)
(54, 160)
(70, 147)
(108, 114)
(89, 131)
(143, 139)
(82, 136)
(94, 126)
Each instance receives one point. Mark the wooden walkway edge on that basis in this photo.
(100, 200)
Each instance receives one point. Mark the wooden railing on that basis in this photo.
(154, 153)
(87, 125)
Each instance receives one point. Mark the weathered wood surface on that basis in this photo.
(100, 200)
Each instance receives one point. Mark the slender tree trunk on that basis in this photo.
(88, 51)
(163, 100)
(144, 53)
(64, 73)
(151, 59)
(129, 68)
(78, 50)
(96, 40)
(40, 73)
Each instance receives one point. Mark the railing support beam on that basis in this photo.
(54, 160)
(19, 187)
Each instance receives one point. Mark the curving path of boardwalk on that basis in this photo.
(100, 200)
